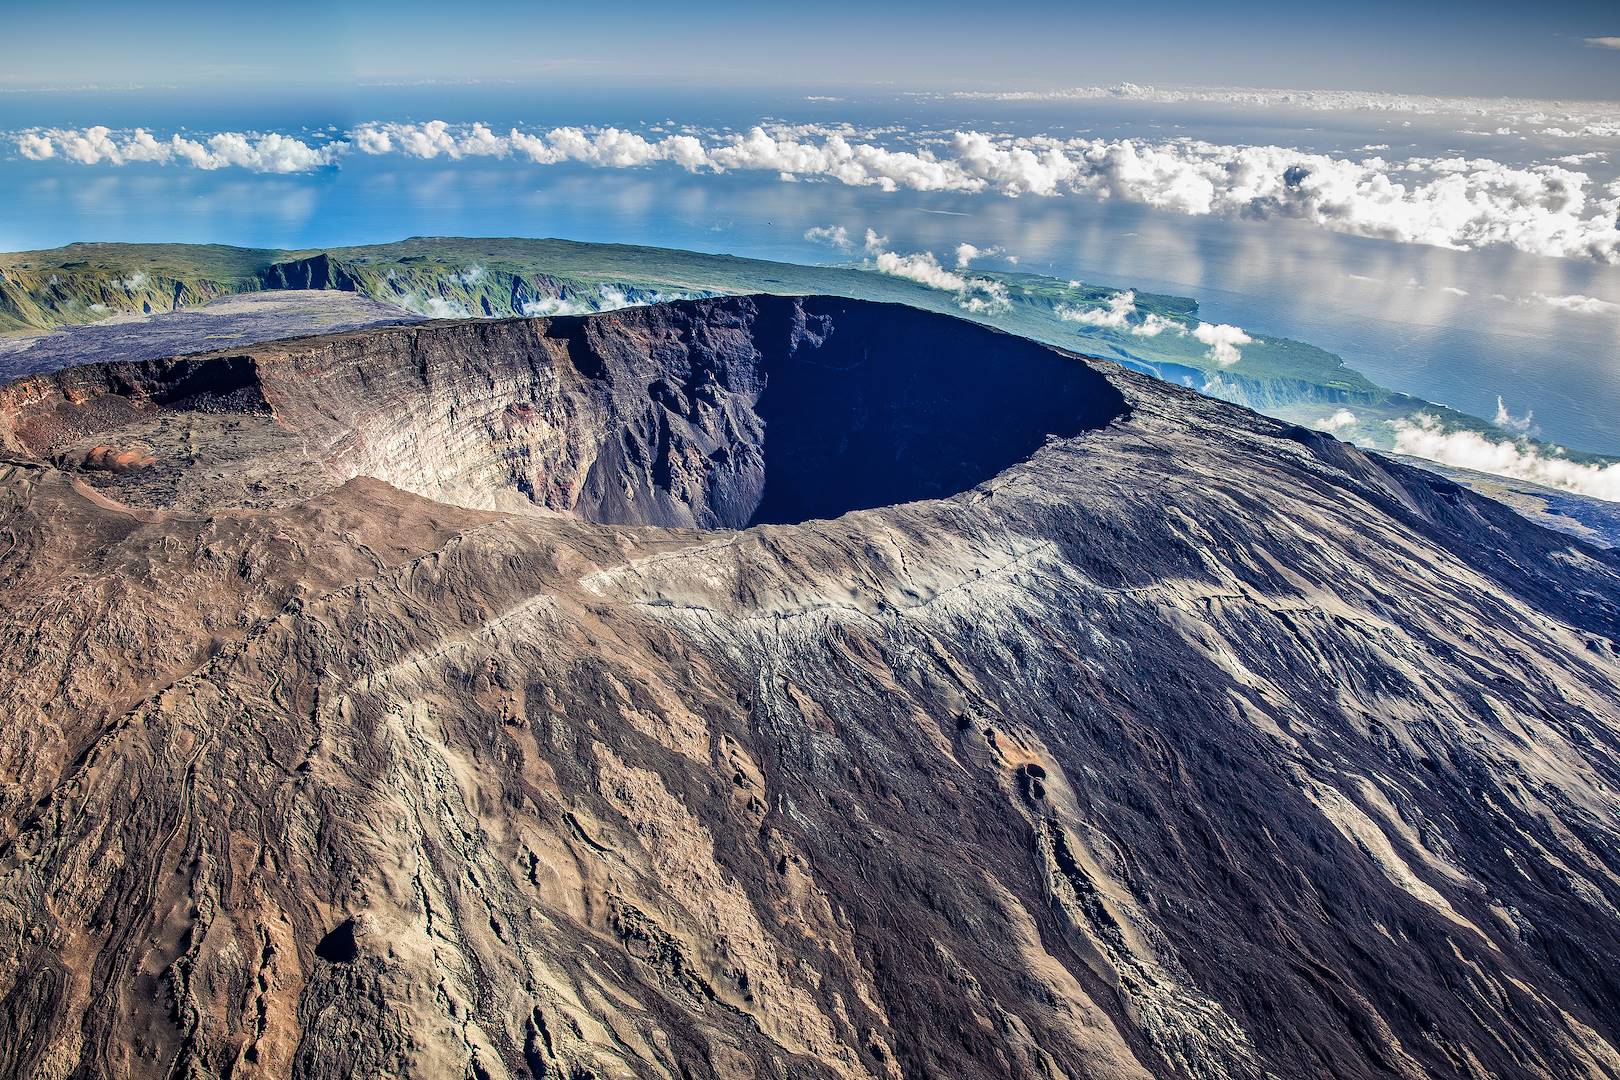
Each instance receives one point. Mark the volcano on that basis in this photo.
(779, 688)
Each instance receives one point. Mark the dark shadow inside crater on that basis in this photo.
(867, 405)
(339, 945)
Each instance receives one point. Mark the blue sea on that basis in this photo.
(1451, 326)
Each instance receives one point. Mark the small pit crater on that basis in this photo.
(339, 945)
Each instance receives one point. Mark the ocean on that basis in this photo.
(1465, 328)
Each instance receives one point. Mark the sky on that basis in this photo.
(1488, 49)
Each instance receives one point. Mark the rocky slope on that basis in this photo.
(779, 688)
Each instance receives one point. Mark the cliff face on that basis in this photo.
(395, 719)
(316, 272)
(32, 300)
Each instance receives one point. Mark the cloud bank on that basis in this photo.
(1424, 436)
(979, 295)
(267, 153)
(1463, 204)
(1119, 312)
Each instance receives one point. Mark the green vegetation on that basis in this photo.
(84, 283)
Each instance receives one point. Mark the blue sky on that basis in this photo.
(1479, 49)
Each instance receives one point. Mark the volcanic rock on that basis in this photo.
(788, 688)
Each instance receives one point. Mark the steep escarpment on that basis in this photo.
(87, 283)
(38, 301)
(1183, 743)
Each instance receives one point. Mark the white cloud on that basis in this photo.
(1544, 209)
(1341, 419)
(832, 235)
(921, 267)
(472, 275)
(257, 153)
(606, 147)
(1523, 425)
(1604, 42)
(90, 146)
(873, 243)
(1112, 315)
(981, 296)
(1154, 325)
(429, 140)
(1575, 302)
(1424, 436)
(984, 297)
(1583, 131)
(1223, 341)
(1452, 290)
(373, 140)
(35, 147)
(966, 253)
(1116, 314)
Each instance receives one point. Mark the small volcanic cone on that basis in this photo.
(104, 458)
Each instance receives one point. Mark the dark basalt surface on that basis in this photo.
(231, 321)
(406, 703)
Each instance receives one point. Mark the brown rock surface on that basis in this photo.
(437, 704)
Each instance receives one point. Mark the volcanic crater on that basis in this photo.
(710, 414)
